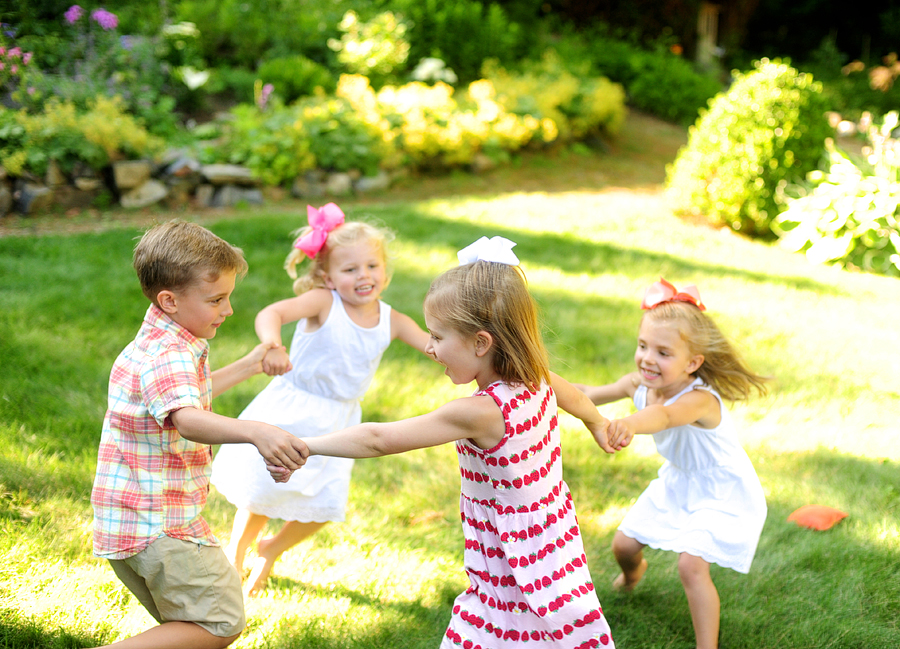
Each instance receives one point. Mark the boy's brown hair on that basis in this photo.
(174, 255)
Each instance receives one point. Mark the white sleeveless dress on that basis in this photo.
(707, 500)
(332, 369)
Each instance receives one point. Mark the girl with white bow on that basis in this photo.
(529, 579)
(342, 330)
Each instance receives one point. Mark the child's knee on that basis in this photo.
(692, 569)
(625, 546)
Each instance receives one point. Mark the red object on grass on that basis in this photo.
(817, 517)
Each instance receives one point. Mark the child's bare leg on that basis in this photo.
(630, 556)
(273, 547)
(174, 635)
(244, 530)
(703, 599)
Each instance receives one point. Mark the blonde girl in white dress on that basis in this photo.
(707, 503)
(342, 330)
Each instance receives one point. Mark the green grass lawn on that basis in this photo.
(590, 241)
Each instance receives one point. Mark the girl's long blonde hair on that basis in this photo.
(722, 368)
(349, 233)
(494, 297)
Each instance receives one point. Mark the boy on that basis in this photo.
(154, 459)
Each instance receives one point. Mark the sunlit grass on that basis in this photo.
(826, 433)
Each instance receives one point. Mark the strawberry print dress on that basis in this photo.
(528, 574)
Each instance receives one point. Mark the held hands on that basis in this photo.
(281, 451)
(276, 361)
(620, 432)
(611, 436)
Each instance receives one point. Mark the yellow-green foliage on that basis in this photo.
(107, 125)
(430, 126)
(102, 134)
(577, 106)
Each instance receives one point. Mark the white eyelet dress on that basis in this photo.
(332, 369)
(707, 500)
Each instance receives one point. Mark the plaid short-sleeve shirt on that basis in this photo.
(150, 481)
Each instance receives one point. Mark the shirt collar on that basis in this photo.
(159, 319)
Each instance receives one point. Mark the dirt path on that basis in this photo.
(635, 161)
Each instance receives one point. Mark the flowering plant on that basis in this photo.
(13, 62)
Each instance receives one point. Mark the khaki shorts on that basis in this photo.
(180, 581)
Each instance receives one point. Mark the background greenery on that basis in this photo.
(592, 231)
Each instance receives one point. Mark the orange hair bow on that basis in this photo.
(662, 291)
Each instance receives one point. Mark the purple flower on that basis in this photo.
(74, 13)
(105, 19)
(264, 95)
(127, 42)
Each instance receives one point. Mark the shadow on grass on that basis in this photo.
(22, 633)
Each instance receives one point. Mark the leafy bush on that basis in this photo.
(296, 76)
(655, 79)
(96, 136)
(274, 144)
(578, 104)
(768, 130)
(91, 58)
(852, 217)
(238, 33)
(668, 86)
(375, 49)
(462, 33)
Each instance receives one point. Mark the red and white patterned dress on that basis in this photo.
(529, 580)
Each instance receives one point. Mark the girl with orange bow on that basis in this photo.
(342, 330)
(707, 503)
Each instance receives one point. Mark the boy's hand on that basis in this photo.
(279, 447)
(276, 361)
(620, 433)
(599, 430)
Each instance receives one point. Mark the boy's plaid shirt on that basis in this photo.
(151, 481)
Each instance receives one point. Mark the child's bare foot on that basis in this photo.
(262, 567)
(625, 583)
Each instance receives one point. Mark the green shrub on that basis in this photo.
(273, 143)
(851, 217)
(462, 33)
(340, 138)
(100, 134)
(578, 104)
(767, 130)
(296, 76)
(377, 48)
(238, 33)
(668, 86)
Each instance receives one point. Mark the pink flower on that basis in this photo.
(74, 13)
(27, 58)
(15, 52)
(105, 19)
(2, 66)
(31, 90)
(2, 51)
(14, 69)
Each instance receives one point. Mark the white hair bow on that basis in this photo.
(496, 249)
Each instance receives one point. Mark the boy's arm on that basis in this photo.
(278, 447)
(576, 403)
(408, 331)
(621, 389)
(240, 370)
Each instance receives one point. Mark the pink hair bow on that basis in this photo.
(663, 291)
(321, 222)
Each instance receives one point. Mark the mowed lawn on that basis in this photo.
(593, 231)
